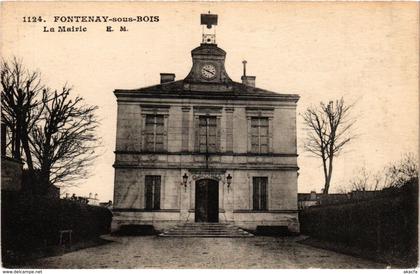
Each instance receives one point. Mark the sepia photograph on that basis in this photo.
(209, 135)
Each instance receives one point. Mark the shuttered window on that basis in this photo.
(152, 192)
(155, 133)
(259, 135)
(208, 134)
(259, 185)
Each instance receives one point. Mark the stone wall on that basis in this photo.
(132, 163)
(130, 191)
(178, 202)
(131, 116)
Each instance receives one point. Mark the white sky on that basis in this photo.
(363, 51)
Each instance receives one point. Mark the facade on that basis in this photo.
(205, 149)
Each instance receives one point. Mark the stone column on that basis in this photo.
(165, 132)
(249, 146)
(185, 128)
(229, 196)
(184, 195)
(229, 129)
(143, 132)
(270, 135)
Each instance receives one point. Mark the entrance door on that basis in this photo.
(206, 201)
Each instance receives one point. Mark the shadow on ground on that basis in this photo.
(23, 259)
(136, 230)
(391, 261)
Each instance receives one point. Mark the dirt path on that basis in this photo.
(156, 252)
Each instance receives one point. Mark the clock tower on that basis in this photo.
(206, 149)
(208, 59)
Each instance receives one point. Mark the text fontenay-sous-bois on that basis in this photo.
(79, 23)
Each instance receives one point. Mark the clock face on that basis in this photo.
(208, 71)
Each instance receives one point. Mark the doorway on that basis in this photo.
(207, 201)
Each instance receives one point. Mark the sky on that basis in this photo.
(364, 52)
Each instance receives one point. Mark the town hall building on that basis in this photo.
(206, 149)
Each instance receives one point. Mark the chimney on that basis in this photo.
(167, 77)
(247, 80)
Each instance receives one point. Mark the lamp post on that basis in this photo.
(228, 181)
(185, 181)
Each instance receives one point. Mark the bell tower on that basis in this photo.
(208, 59)
(209, 32)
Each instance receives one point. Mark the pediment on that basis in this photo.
(208, 49)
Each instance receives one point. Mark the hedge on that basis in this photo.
(30, 222)
(384, 226)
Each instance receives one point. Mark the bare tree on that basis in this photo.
(403, 172)
(364, 180)
(360, 181)
(20, 106)
(342, 190)
(378, 179)
(56, 133)
(64, 141)
(329, 129)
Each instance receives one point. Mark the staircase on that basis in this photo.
(206, 230)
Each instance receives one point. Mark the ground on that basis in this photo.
(159, 252)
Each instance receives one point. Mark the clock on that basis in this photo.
(208, 71)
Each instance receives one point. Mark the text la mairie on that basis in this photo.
(206, 149)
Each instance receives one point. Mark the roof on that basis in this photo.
(186, 89)
(306, 197)
(208, 49)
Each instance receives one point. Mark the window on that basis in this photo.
(155, 133)
(207, 134)
(259, 186)
(152, 192)
(259, 135)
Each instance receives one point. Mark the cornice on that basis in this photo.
(137, 152)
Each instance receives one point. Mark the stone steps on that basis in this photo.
(206, 230)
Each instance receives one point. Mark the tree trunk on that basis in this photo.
(328, 175)
(44, 180)
(16, 152)
(28, 155)
(327, 183)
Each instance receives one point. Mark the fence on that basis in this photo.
(385, 226)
